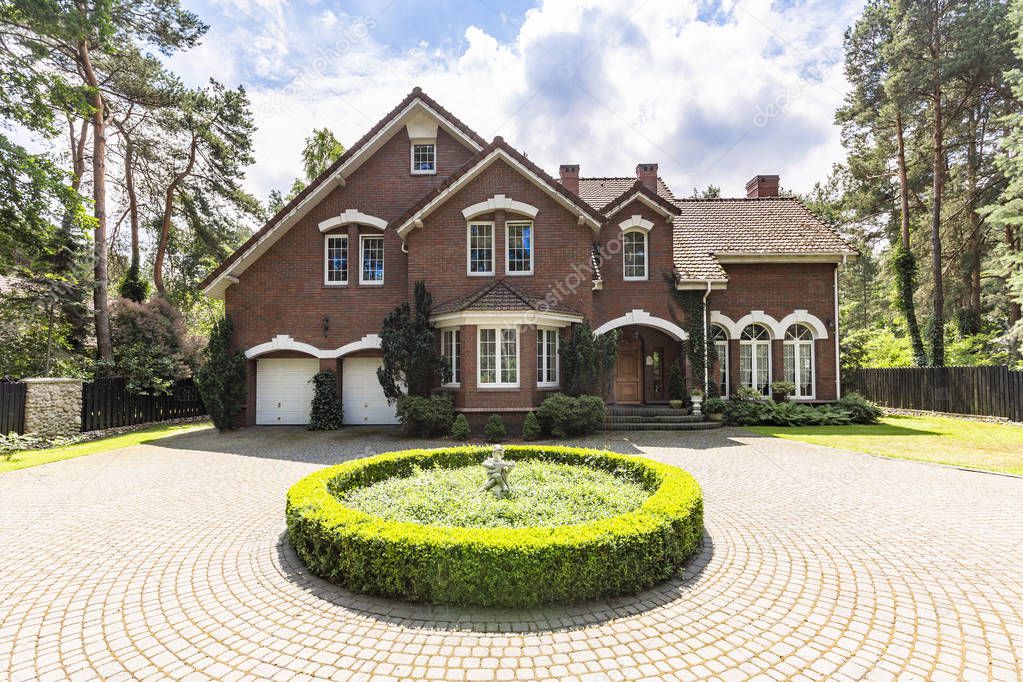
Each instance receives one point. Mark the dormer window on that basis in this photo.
(424, 158)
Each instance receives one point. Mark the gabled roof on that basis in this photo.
(416, 101)
(599, 192)
(640, 191)
(708, 232)
(499, 296)
(498, 149)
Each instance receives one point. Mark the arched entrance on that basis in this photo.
(647, 349)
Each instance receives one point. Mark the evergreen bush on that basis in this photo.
(326, 414)
(221, 378)
(425, 417)
(495, 430)
(531, 427)
(460, 428)
(676, 384)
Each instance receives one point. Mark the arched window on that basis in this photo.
(720, 340)
(634, 255)
(799, 360)
(755, 358)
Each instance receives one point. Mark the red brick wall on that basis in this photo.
(780, 289)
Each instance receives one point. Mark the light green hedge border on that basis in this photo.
(508, 567)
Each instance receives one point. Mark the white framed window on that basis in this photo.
(755, 358)
(498, 354)
(372, 248)
(720, 340)
(424, 158)
(634, 255)
(518, 239)
(547, 346)
(480, 249)
(799, 361)
(451, 351)
(335, 259)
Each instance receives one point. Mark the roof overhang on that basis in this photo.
(498, 154)
(724, 257)
(412, 111)
(510, 318)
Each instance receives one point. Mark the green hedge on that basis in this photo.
(507, 567)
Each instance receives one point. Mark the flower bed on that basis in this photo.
(495, 566)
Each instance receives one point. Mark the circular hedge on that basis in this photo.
(507, 567)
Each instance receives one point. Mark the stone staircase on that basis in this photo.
(654, 418)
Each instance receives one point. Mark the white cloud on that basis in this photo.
(713, 95)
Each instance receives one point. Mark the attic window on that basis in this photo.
(424, 158)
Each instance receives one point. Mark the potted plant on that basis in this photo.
(697, 397)
(676, 387)
(781, 390)
(714, 408)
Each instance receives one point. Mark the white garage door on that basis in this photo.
(362, 395)
(284, 392)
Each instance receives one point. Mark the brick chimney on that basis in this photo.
(569, 174)
(647, 174)
(762, 186)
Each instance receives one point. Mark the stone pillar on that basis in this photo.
(53, 406)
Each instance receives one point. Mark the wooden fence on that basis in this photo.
(107, 403)
(989, 391)
(12, 407)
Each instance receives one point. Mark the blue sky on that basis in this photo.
(714, 92)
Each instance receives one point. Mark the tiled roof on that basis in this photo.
(599, 192)
(770, 225)
(636, 189)
(499, 296)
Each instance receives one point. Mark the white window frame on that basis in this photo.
(468, 248)
(752, 345)
(362, 260)
(722, 359)
(646, 255)
(453, 363)
(541, 356)
(412, 157)
(508, 224)
(326, 260)
(795, 344)
(498, 358)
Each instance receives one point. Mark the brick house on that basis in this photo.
(513, 258)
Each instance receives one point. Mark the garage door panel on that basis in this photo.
(284, 392)
(362, 396)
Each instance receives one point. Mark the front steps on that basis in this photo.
(654, 418)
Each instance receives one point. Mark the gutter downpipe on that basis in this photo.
(706, 353)
(838, 349)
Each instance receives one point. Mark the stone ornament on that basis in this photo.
(497, 473)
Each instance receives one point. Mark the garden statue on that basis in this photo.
(497, 473)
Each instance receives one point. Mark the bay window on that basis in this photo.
(498, 355)
(451, 350)
(546, 357)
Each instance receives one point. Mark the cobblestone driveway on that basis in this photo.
(167, 561)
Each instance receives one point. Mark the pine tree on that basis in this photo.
(221, 379)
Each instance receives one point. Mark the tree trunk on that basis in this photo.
(104, 346)
(133, 204)
(976, 238)
(907, 274)
(168, 213)
(1015, 243)
(937, 332)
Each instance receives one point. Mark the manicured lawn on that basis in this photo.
(945, 440)
(31, 458)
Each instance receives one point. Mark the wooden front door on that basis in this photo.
(629, 373)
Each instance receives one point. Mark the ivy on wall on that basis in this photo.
(701, 355)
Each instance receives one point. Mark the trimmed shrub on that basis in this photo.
(531, 427)
(504, 567)
(326, 414)
(755, 412)
(676, 384)
(460, 428)
(860, 409)
(221, 379)
(494, 430)
(714, 406)
(561, 415)
(425, 417)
